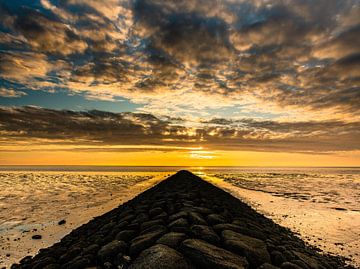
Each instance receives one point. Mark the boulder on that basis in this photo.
(206, 255)
(267, 266)
(155, 211)
(172, 239)
(159, 257)
(125, 235)
(289, 265)
(141, 242)
(110, 250)
(196, 218)
(214, 219)
(205, 233)
(311, 262)
(253, 249)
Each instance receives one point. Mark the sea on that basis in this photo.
(321, 205)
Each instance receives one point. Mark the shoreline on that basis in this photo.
(189, 220)
(315, 225)
(21, 244)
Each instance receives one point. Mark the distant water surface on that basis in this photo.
(321, 204)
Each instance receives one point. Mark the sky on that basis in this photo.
(180, 82)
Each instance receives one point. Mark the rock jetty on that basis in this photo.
(183, 222)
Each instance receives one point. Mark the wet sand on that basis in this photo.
(333, 230)
(17, 242)
(183, 222)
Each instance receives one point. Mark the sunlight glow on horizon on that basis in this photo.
(180, 158)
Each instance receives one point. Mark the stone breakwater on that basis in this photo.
(183, 222)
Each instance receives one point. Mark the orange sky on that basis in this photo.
(179, 158)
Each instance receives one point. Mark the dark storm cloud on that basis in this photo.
(105, 128)
(298, 54)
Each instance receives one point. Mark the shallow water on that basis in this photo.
(322, 205)
(33, 202)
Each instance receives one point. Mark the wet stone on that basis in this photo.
(300, 263)
(43, 262)
(52, 266)
(36, 236)
(172, 239)
(179, 223)
(159, 257)
(155, 211)
(214, 219)
(205, 233)
(144, 241)
(311, 262)
(109, 251)
(126, 235)
(206, 255)
(254, 249)
(267, 266)
(150, 223)
(277, 258)
(289, 265)
(196, 218)
(181, 214)
(153, 229)
(92, 249)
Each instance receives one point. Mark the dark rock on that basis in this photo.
(289, 255)
(172, 239)
(254, 249)
(62, 222)
(153, 229)
(122, 261)
(43, 263)
(109, 251)
(277, 258)
(70, 254)
(141, 242)
(133, 226)
(205, 233)
(52, 266)
(92, 249)
(179, 223)
(36, 236)
(214, 219)
(206, 255)
(150, 223)
(155, 211)
(202, 210)
(125, 235)
(267, 266)
(289, 265)
(77, 263)
(196, 218)
(25, 259)
(159, 257)
(300, 263)
(181, 214)
(311, 262)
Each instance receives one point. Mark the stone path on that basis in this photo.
(183, 222)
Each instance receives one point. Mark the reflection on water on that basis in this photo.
(342, 191)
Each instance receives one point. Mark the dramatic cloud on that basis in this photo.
(293, 57)
(95, 128)
(10, 93)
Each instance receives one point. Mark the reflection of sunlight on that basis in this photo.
(201, 154)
